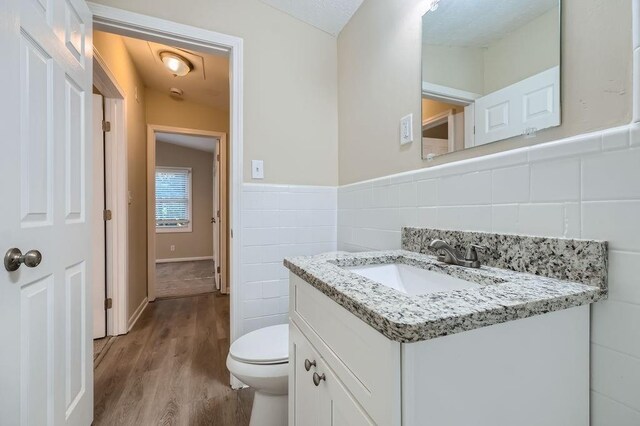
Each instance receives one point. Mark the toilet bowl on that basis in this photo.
(260, 360)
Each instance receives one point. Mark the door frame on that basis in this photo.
(152, 129)
(216, 215)
(162, 31)
(116, 195)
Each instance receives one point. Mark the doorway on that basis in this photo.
(155, 30)
(189, 202)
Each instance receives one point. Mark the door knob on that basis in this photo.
(317, 378)
(308, 364)
(14, 258)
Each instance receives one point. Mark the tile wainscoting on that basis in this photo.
(581, 187)
(279, 221)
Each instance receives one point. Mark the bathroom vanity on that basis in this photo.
(400, 338)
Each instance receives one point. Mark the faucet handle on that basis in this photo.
(472, 254)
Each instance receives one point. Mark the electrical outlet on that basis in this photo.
(406, 129)
(172, 247)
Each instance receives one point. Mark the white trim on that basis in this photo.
(436, 120)
(184, 259)
(116, 194)
(175, 229)
(103, 78)
(137, 313)
(448, 94)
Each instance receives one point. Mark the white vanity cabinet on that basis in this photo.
(321, 400)
(361, 366)
(533, 371)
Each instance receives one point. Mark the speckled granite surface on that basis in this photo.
(503, 295)
(583, 261)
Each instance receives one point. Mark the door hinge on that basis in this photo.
(231, 232)
(218, 157)
(108, 303)
(218, 269)
(218, 213)
(106, 215)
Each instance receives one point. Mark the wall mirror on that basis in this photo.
(490, 71)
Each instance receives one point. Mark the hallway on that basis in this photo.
(170, 369)
(178, 279)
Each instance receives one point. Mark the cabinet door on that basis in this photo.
(337, 406)
(304, 408)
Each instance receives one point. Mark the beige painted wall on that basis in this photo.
(458, 67)
(290, 84)
(379, 82)
(163, 109)
(198, 242)
(523, 53)
(113, 51)
(431, 108)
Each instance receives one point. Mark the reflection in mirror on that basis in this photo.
(490, 71)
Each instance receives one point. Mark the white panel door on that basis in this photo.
(540, 100)
(528, 105)
(45, 359)
(98, 276)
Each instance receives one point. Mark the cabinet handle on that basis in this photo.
(308, 364)
(317, 378)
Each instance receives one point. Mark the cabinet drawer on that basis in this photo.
(366, 362)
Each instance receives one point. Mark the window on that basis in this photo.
(173, 199)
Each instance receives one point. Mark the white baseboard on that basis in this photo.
(184, 259)
(137, 313)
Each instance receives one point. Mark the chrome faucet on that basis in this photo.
(448, 254)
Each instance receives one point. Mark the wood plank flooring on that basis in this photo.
(170, 369)
(177, 279)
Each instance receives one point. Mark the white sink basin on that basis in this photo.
(410, 279)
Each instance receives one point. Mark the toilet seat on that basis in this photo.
(266, 346)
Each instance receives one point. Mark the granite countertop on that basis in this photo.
(503, 295)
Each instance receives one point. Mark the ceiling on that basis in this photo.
(201, 143)
(328, 15)
(476, 23)
(207, 84)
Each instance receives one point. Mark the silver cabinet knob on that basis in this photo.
(14, 258)
(308, 364)
(317, 378)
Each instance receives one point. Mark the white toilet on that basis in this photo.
(260, 359)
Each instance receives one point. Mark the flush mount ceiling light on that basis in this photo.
(178, 65)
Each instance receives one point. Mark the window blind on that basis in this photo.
(173, 187)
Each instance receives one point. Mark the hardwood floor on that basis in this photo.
(170, 369)
(177, 279)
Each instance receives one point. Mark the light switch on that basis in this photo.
(257, 169)
(406, 129)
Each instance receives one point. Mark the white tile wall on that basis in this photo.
(279, 221)
(582, 187)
